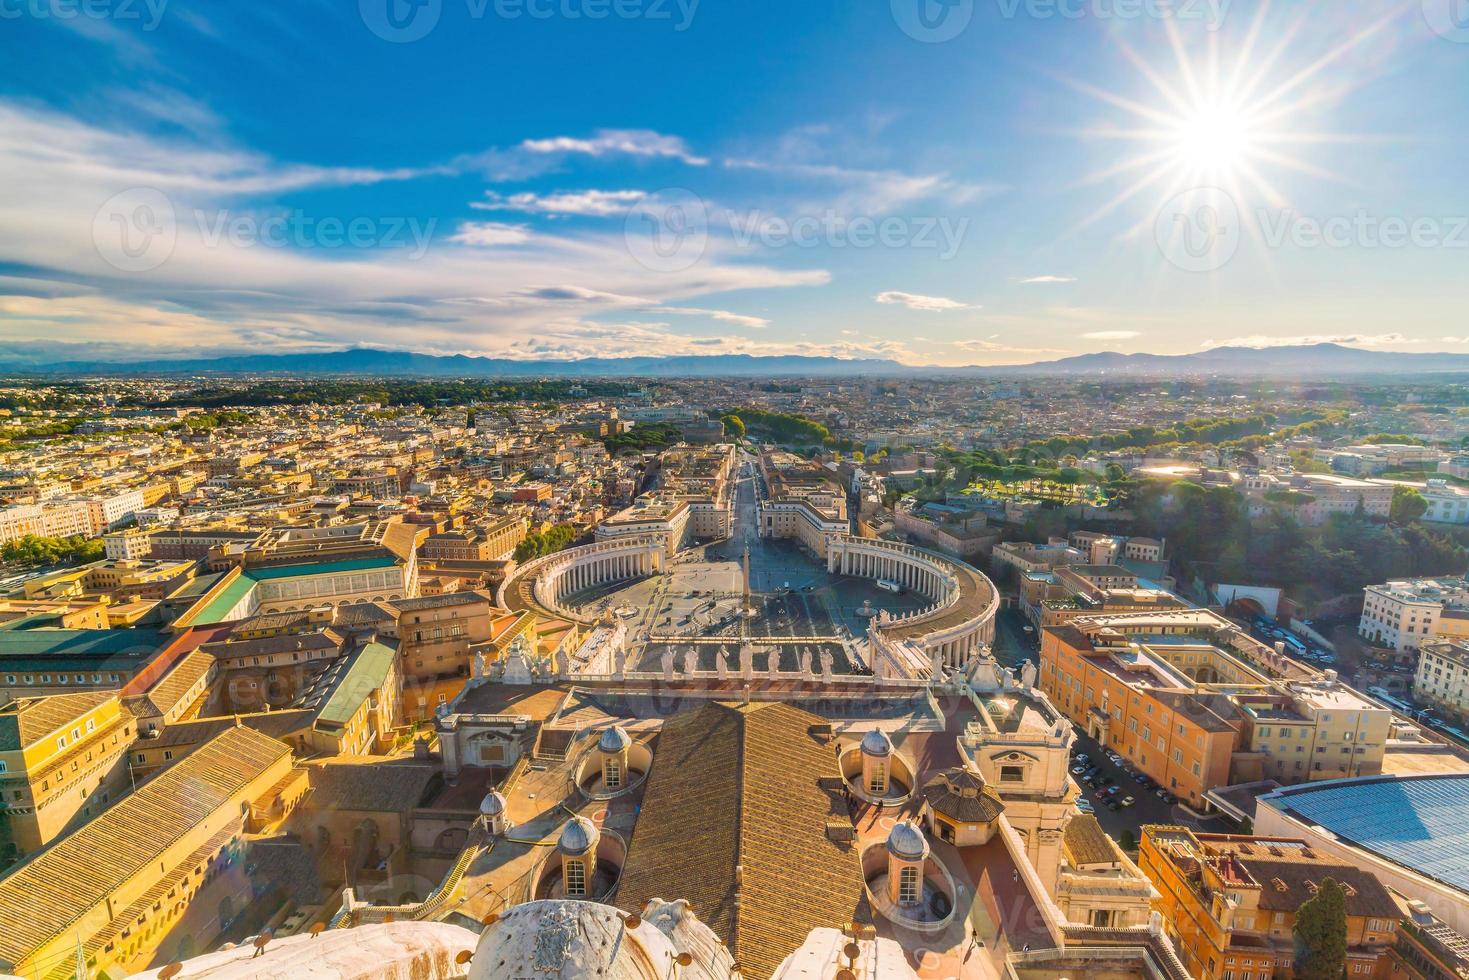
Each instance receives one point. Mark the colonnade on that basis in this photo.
(585, 568)
(917, 575)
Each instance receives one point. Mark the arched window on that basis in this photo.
(908, 886)
(612, 773)
(576, 878)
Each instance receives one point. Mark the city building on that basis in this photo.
(1230, 902)
(165, 858)
(1442, 676)
(1404, 614)
(63, 759)
(1408, 831)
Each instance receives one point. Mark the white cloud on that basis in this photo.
(532, 158)
(213, 293)
(1047, 280)
(619, 142)
(992, 346)
(1111, 335)
(1455, 340)
(487, 234)
(589, 203)
(1260, 341)
(723, 316)
(928, 304)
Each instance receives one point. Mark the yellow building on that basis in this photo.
(62, 759)
(161, 862)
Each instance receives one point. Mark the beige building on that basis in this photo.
(1442, 678)
(163, 859)
(62, 760)
(1404, 614)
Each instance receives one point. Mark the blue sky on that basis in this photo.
(936, 181)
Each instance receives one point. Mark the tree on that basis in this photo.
(734, 425)
(1128, 842)
(1321, 934)
(1407, 505)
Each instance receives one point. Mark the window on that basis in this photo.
(576, 878)
(1012, 774)
(879, 781)
(612, 774)
(908, 886)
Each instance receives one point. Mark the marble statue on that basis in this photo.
(690, 662)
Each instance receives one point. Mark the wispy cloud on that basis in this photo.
(1261, 341)
(535, 157)
(927, 304)
(1047, 280)
(1111, 335)
(487, 234)
(723, 316)
(483, 288)
(589, 203)
(619, 142)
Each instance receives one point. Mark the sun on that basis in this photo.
(1236, 116)
(1215, 138)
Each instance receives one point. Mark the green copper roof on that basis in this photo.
(369, 667)
(320, 568)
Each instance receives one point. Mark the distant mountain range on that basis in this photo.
(1317, 361)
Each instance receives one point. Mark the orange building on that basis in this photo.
(1133, 700)
(1230, 903)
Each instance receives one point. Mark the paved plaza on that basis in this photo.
(695, 604)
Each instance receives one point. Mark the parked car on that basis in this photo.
(1083, 758)
(1078, 770)
(1128, 801)
(1085, 805)
(1113, 805)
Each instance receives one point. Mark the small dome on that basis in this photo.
(907, 842)
(493, 805)
(578, 837)
(876, 742)
(614, 739)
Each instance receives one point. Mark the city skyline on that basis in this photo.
(1037, 185)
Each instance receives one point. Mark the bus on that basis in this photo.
(888, 585)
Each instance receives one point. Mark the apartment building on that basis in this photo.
(1230, 903)
(1442, 677)
(1447, 504)
(1172, 693)
(1404, 614)
(63, 758)
(1301, 732)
